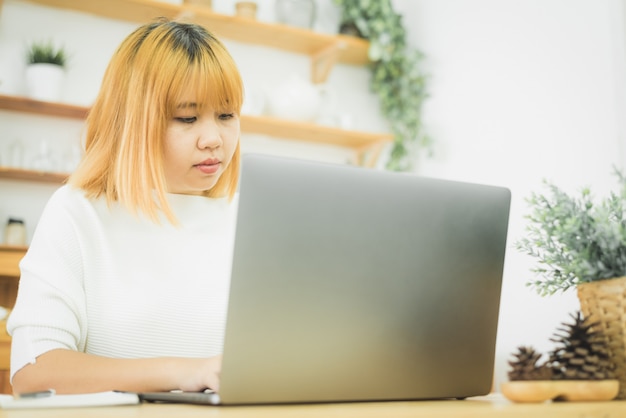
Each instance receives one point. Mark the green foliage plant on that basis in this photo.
(397, 76)
(574, 238)
(40, 52)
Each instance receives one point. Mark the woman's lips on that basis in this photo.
(208, 166)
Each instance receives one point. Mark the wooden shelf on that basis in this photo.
(11, 173)
(323, 49)
(24, 104)
(366, 145)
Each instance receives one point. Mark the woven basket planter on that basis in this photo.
(604, 302)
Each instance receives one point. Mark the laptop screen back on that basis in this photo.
(352, 284)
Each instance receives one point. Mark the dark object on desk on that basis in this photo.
(198, 398)
(36, 395)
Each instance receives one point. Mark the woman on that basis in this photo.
(124, 286)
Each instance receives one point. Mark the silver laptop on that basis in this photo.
(353, 284)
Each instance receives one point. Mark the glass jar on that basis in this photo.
(300, 13)
(15, 232)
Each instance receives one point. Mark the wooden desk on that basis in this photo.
(484, 407)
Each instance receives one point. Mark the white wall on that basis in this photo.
(520, 91)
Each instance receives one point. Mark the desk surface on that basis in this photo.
(483, 407)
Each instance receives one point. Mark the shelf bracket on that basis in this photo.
(323, 60)
(368, 156)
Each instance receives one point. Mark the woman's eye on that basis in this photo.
(187, 120)
(226, 116)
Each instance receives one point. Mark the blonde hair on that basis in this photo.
(147, 76)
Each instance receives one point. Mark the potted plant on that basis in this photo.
(580, 244)
(45, 70)
(397, 76)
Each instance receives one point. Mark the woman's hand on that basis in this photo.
(200, 374)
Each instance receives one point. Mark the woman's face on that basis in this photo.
(198, 146)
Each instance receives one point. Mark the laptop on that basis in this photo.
(353, 284)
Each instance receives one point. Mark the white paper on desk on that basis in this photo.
(70, 401)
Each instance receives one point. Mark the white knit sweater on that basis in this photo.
(101, 280)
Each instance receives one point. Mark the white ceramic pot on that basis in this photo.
(296, 99)
(45, 81)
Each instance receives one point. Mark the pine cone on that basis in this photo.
(525, 367)
(581, 352)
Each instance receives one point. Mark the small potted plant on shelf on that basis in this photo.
(397, 75)
(45, 70)
(581, 244)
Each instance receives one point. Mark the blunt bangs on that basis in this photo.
(209, 72)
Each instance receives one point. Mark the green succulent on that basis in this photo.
(575, 239)
(397, 76)
(46, 53)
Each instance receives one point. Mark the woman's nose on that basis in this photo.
(210, 136)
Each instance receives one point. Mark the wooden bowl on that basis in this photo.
(560, 390)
